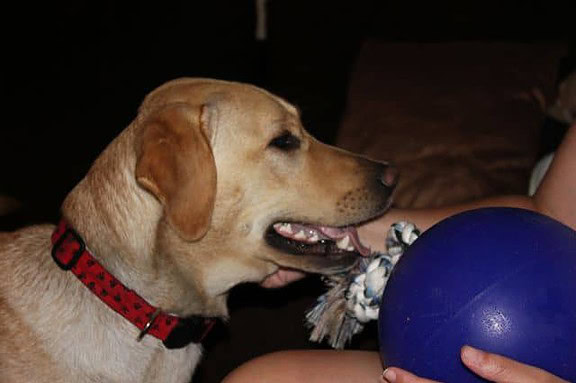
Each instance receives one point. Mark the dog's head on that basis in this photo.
(244, 190)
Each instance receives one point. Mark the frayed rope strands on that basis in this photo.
(353, 298)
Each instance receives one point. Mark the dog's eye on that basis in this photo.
(286, 141)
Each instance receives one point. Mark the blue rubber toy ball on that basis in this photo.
(499, 279)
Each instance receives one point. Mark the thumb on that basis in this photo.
(499, 369)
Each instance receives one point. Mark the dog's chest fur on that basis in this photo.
(61, 318)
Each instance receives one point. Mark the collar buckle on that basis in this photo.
(174, 332)
(148, 325)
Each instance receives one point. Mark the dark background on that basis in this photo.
(75, 72)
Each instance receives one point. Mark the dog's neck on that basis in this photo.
(120, 223)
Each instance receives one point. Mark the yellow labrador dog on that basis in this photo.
(213, 184)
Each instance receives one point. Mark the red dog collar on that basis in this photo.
(70, 253)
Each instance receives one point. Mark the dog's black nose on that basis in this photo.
(389, 175)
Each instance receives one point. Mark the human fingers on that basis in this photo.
(281, 278)
(398, 375)
(499, 369)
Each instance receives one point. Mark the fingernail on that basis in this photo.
(389, 375)
(472, 355)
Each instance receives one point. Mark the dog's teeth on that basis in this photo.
(300, 235)
(314, 238)
(350, 248)
(283, 228)
(343, 243)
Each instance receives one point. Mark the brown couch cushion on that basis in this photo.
(461, 120)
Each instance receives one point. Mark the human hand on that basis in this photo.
(492, 367)
(281, 278)
(373, 234)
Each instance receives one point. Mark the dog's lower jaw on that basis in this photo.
(229, 272)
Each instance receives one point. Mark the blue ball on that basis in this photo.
(500, 279)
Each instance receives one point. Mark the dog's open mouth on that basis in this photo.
(302, 239)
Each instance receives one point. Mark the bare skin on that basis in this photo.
(315, 366)
(555, 197)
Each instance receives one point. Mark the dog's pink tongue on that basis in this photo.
(337, 233)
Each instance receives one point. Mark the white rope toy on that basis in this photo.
(354, 297)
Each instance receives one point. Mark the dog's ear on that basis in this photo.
(176, 164)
